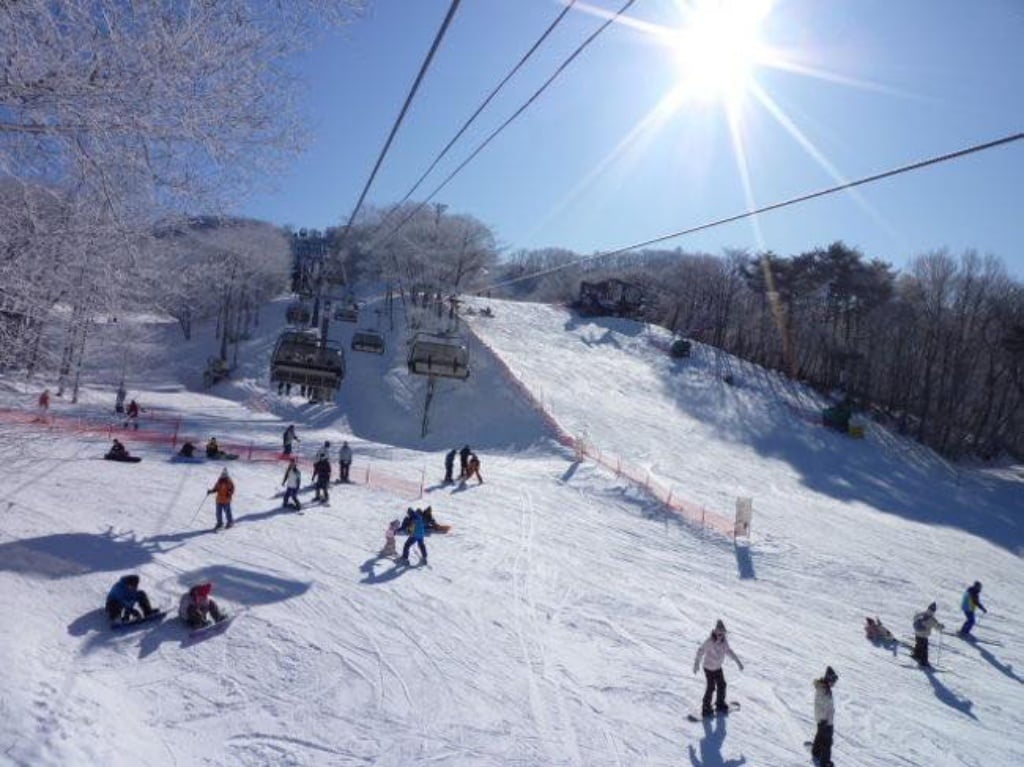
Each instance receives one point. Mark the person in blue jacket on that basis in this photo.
(416, 535)
(122, 599)
(970, 603)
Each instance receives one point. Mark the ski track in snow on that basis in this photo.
(557, 624)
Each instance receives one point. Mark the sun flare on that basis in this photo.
(718, 48)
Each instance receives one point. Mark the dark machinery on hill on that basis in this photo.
(302, 359)
(610, 298)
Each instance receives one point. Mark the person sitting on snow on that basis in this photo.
(187, 450)
(196, 607)
(876, 632)
(118, 452)
(123, 597)
(212, 448)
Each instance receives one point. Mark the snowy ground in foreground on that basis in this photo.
(556, 625)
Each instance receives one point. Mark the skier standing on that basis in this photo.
(322, 479)
(289, 438)
(292, 482)
(44, 404)
(196, 608)
(225, 489)
(122, 598)
(449, 465)
(924, 622)
(824, 710)
(133, 414)
(464, 461)
(416, 536)
(344, 461)
(713, 651)
(119, 399)
(970, 603)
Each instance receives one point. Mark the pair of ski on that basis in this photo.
(734, 706)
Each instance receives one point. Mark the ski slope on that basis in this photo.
(556, 624)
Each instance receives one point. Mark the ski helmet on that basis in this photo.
(977, 585)
(831, 677)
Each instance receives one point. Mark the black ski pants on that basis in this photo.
(291, 494)
(408, 545)
(117, 611)
(821, 749)
(343, 470)
(715, 681)
(920, 653)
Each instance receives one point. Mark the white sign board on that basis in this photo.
(744, 515)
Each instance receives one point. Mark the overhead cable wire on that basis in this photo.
(401, 115)
(1009, 139)
(465, 126)
(561, 68)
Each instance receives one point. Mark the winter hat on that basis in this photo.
(719, 626)
(830, 675)
(932, 607)
(224, 472)
(202, 589)
(132, 580)
(977, 585)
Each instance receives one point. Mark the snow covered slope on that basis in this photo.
(556, 624)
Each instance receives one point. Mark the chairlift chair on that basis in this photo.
(431, 354)
(299, 358)
(368, 341)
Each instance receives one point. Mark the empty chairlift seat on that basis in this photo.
(436, 355)
(347, 313)
(368, 341)
(299, 358)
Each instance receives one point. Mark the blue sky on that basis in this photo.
(904, 80)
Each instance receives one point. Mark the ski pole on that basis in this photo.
(200, 506)
(938, 660)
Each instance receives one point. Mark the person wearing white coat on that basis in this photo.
(292, 482)
(713, 652)
(344, 462)
(824, 710)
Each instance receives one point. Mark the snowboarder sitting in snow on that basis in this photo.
(212, 448)
(713, 651)
(123, 597)
(924, 622)
(416, 536)
(196, 607)
(876, 632)
(389, 538)
(970, 602)
(187, 450)
(824, 711)
(322, 479)
(292, 482)
(117, 452)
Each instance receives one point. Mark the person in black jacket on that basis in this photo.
(322, 479)
(464, 455)
(449, 465)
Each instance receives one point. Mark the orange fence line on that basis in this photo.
(173, 435)
(691, 512)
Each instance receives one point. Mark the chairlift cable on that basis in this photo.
(561, 68)
(483, 105)
(1009, 139)
(401, 116)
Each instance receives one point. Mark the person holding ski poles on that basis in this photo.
(289, 439)
(713, 651)
(970, 603)
(924, 622)
(225, 489)
(292, 482)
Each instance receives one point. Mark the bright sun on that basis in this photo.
(719, 47)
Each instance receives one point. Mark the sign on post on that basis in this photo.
(744, 515)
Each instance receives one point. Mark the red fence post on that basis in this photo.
(250, 451)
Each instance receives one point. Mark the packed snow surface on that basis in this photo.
(556, 624)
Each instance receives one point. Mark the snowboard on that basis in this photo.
(179, 458)
(211, 629)
(158, 615)
(127, 459)
(734, 706)
(223, 457)
(437, 530)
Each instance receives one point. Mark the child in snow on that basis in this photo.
(824, 710)
(212, 448)
(415, 536)
(713, 651)
(473, 469)
(196, 608)
(123, 597)
(924, 622)
(291, 483)
(389, 538)
(970, 603)
(876, 632)
(225, 490)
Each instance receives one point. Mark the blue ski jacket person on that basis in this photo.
(416, 535)
(971, 602)
(123, 597)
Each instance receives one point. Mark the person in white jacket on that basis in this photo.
(344, 462)
(924, 623)
(824, 710)
(713, 652)
(292, 482)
